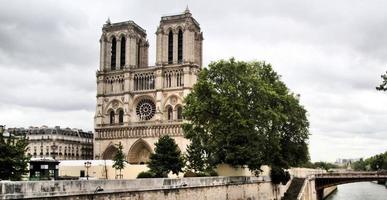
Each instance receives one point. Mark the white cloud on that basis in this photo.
(331, 53)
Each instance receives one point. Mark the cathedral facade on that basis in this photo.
(138, 103)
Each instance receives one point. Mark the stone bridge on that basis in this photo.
(333, 179)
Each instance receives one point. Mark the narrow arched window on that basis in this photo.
(179, 113)
(123, 50)
(113, 54)
(111, 117)
(180, 47)
(170, 113)
(121, 117)
(170, 47)
(138, 53)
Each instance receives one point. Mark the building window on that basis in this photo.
(179, 113)
(121, 117)
(111, 117)
(138, 53)
(145, 109)
(123, 50)
(170, 47)
(113, 54)
(180, 47)
(170, 113)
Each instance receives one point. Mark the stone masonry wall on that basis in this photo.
(229, 188)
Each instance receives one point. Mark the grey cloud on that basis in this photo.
(330, 52)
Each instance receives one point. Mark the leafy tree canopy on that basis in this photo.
(119, 159)
(383, 86)
(13, 160)
(167, 158)
(374, 163)
(241, 113)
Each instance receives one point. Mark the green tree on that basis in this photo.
(244, 115)
(13, 160)
(119, 160)
(383, 86)
(167, 158)
(359, 165)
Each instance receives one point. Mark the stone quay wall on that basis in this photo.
(198, 188)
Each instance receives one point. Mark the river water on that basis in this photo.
(359, 191)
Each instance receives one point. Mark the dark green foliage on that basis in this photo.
(195, 156)
(278, 175)
(147, 174)
(167, 157)
(360, 165)
(383, 86)
(190, 174)
(320, 165)
(374, 163)
(242, 114)
(119, 160)
(13, 161)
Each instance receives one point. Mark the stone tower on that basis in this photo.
(137, 103)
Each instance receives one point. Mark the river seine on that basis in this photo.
(359, 191)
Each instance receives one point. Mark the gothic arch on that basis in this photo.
(139, 152)
(109, 152)
(113, 105)
(140, 97)
(168, 112)
(179, 112)
(172, 100)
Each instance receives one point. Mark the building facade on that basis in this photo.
(138, 103)
(57, 143)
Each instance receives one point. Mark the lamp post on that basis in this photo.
(87, 165)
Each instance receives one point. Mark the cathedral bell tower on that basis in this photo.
(137, 103)
(179, 40)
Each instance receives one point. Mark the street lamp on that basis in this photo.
(87, 165)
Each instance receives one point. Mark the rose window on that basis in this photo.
(145, 109)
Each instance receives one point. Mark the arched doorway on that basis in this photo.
(109, 153)
(139, 153)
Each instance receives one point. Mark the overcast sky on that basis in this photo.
(330, 52)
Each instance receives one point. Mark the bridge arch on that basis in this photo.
(333, 179)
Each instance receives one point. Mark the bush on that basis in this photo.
(213, 173)
(190, 174)
(201, 174)
(145, 175)
(278, 175)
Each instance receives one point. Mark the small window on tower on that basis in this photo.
(111, 117)
(113, 54)
(180, 47)
(123, 50)
(121, 117)
(170, 47)
(170, 113)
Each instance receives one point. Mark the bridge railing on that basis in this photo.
(351, 174)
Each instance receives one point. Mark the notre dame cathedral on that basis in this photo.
(138, 103)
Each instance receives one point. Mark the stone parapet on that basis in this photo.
(80, 189)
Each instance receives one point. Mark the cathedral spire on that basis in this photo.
(187, 9)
